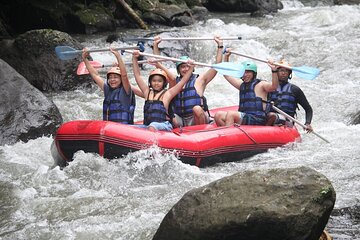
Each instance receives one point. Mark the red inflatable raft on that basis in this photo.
(200, 145)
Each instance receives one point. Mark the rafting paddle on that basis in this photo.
(225, 68)
(179, 38)
(67, 53)
(82, 70)
(305, 72)
(296, 121)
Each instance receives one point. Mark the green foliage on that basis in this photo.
(325, 193)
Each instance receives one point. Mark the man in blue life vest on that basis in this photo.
(287, 97)
(189, 105)
(252, 96)
(119, 100)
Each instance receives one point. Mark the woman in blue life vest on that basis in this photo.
(287, 97)
(252, 96)
(119, 101)
(190, 104)
(157, 98)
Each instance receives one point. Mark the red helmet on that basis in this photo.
(285, 63)
(115, 70)
(160, 72)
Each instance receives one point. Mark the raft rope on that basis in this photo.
(215, 129)
(239, 127)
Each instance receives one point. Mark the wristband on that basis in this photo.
(274, 71)
(220, 46)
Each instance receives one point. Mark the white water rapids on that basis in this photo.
(127, 198)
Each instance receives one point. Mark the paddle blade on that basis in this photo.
(82, 70)
(66, 52)
(236, 70)
(305, 72)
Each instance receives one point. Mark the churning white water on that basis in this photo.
(128, 197)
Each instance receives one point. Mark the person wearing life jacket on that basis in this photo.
(287, 97)
(253, 95)
(190, 105)
(119, 101)
(157, 97)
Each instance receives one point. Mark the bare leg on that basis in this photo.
(232, 117)
(271, 117)
(199, 115)
(220, 118)
(175, 123)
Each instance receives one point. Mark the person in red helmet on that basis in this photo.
(119, 101)
(157, 97)
(287, 97)
(190, 105)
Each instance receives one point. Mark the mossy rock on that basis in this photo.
(145, 5)
(90, 16)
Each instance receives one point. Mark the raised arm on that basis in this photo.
(232, 80)
(157, 41)
(270, 87)
(139, 80)
(124, 77)
(220, 48)
(92, 71)
(137, 91)
(211, 73)
(171, 76)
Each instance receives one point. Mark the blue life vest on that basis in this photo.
(284, 99)
(154, 110)
(118, 106)
(188, 98)
(249, 102)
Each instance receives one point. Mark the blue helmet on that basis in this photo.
(250, 66)
(179, 63)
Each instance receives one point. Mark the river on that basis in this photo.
(127, 198)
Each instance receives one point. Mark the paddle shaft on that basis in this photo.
(259, 59)
(182, 38)
(171, 59)
(298, 122)
(127, 63)
(82, 70)
(101, 49)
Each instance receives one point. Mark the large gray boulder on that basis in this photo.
(265, 204)
(32, 54)
(167, 14)
(25, 113)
